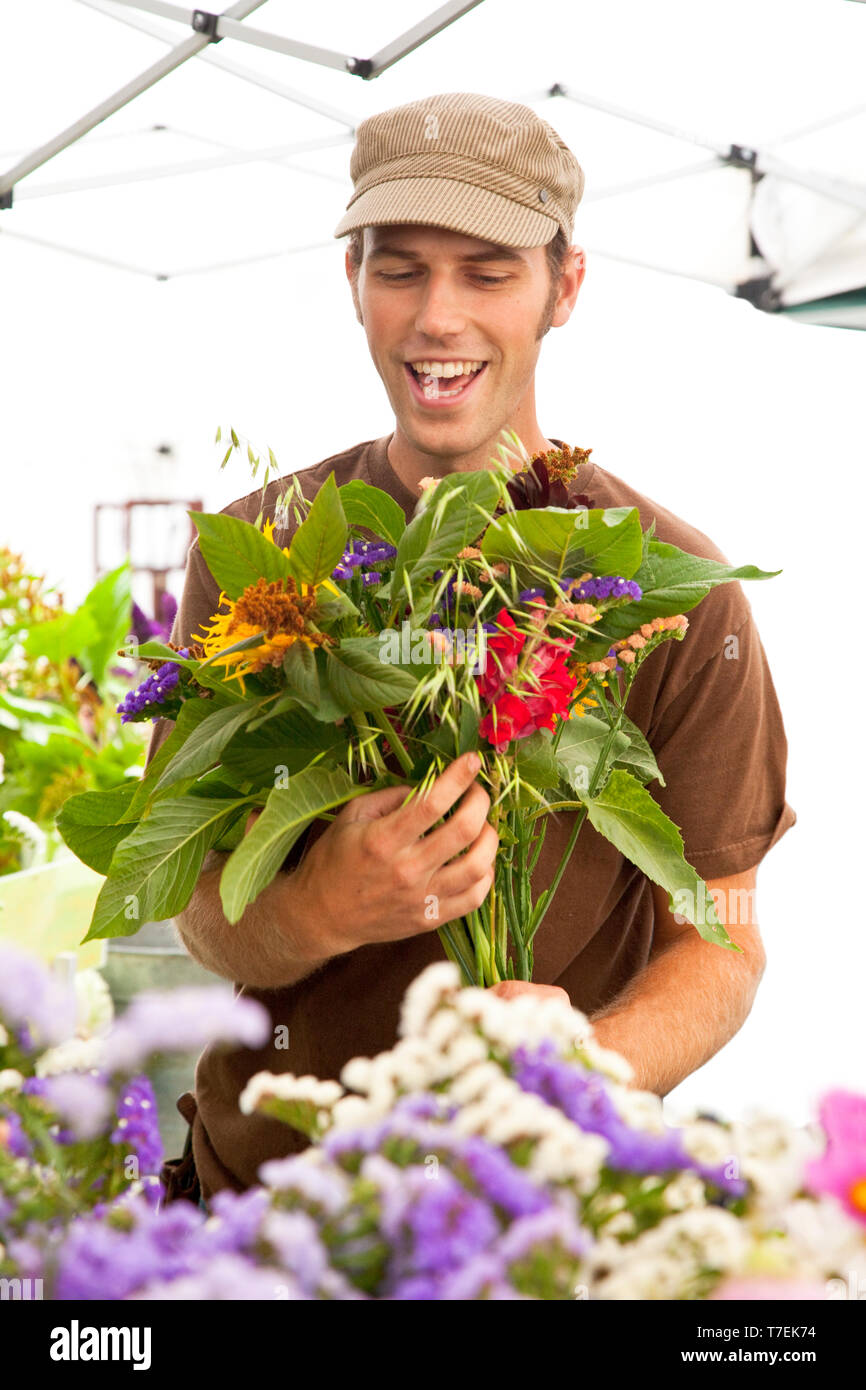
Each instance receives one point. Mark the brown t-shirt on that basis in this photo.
(709, 709)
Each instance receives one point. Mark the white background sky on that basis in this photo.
(748, 426)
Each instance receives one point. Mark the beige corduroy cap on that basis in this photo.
(474, 164)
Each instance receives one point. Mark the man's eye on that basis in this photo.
(409, 274)
(406, 275)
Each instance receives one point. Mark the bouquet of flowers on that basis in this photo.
(496, 1152)
(509, 616)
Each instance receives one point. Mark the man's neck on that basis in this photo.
(411, 464)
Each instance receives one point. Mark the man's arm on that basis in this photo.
(693, 996)
(259, 949)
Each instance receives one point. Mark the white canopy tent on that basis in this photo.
(785, 231)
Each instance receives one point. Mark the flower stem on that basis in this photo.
(395, 741)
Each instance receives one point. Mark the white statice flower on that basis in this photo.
(476, 1081)
(623, 1224)
(639, 1109)
(94, 1011)
(652, 1276)
(442, 1029)
(355, 1075)
(605, 1060)
(288, 1087)
(823, 1240)
(710, 1235)
(773, 1154)
(11, 1080)
(709, 1143)
(352, 1112)
(435, 985)
(4, 1036)
(685, 1190)
(76, 1054)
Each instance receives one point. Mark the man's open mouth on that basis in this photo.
(434, 381)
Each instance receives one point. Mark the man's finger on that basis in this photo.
(423, 812)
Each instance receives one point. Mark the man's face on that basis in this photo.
(431, 297)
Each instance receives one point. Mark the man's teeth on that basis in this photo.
(446, 368)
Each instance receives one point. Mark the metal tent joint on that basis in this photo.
(360, 67)
(761, 293)
(203, 22)
(6, 199)
(741, 157)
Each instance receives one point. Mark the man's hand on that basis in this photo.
(380, 872)
(510, 989)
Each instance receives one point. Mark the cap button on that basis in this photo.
(543, 195)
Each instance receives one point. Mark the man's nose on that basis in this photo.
(440, 312)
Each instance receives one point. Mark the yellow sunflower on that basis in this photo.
(277, 610)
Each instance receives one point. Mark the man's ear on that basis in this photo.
(570, 283)
(353, 282)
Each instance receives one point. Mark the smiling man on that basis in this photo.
(460, 260)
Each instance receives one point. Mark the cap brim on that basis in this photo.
(452, 204)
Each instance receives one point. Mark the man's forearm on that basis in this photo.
(687, 1003)
(255, 951)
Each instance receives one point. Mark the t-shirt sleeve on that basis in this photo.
(198, 603)
(721, 746)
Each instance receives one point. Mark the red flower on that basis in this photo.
(544, 693)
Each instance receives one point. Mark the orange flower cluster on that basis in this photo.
(626, 647)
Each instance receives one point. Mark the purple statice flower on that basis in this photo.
(500, 1180)
(143, 627)
(530, 595)
(33, 999)
(183, 1020)
(606, 586)
(372, 577)
(583, 1097)
(363, 554)
(235, 1221)
(225, 1278)
(138, 1124)
(155, 690)
(98, 1261)
(432, 1223)
(294, 1238)
(14, 1139)
(82, 1100)
(168, 607)
(316, 1184)
(484, 1276)
(553, 1227)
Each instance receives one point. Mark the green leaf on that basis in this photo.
(288, 811)
(580, 747)
(638, 758)
(301, 674)
(535, 761)
(203, 747)
(625, 813)
(565, 543)
(191, 714)
(92, 825)
(155, 869)
(319, 542)
(369, 506)
(237, 554)
(289, 740)
(358, 678)
(672, 581)
(109, 605)
(460, 508)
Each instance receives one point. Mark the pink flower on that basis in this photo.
(841, 1169)
(771, 1289)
